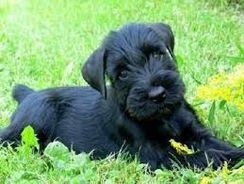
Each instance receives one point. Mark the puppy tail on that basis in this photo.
(20, 92)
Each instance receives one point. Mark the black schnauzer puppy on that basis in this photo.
(139, 112)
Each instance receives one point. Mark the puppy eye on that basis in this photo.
(157, 54)
(123, 74)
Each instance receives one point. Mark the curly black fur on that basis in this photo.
(140, 111)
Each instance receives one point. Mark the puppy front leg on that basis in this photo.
(232, 154)
(210, 142)
(202, 159)
(212, 148)
(202, 139)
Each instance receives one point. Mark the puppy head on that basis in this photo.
(139, 61)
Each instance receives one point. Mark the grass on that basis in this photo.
(44, 43)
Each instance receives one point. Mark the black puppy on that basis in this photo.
(139, 112)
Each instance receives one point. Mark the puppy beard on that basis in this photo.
(138, 105)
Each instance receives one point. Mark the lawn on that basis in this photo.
(44, 44)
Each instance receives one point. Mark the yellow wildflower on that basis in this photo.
(225, 170)
(225, 86)
(179, 147)
(205, 180)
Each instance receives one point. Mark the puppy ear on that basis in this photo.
(166, 33)
(93, 71)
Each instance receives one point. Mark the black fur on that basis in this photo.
(140, 111)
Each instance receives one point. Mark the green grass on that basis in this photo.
(43, 44)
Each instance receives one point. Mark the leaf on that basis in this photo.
(240, 47)
(236, 59)
(195, 79)
(28, 137)
(222, 104)
(198, 103)
(58, 153)
(228, 110)
(1, 67)
(240, 57)
(179, 59)
(67, 72)
(211, 113)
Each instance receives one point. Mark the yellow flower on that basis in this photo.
(180, 148)
(205, 180)
(225, 170)
(225, 86)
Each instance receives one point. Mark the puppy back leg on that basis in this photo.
(40, 115)
(202, 159)
(212, 148)
(222, 149)
(20, 92)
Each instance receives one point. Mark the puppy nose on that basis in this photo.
(157, 94)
